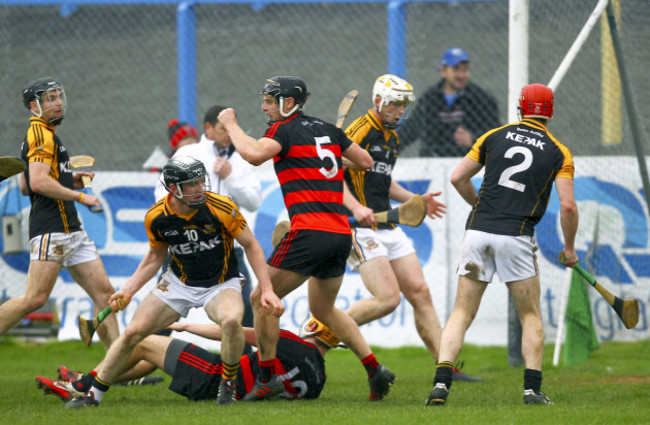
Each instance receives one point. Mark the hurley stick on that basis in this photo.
(85, 162)
(87, 327)
(626, 309)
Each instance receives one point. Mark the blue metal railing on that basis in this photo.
(186, 34)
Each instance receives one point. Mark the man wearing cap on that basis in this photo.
(180, 134)
(450, 115)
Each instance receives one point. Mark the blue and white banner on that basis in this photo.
(612, 243)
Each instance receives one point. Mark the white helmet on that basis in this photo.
(391, 88)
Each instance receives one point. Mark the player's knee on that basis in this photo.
(132, 336)
(36, 302)
(389, 302)
(231, 325)
(256, 298)
(418, 294)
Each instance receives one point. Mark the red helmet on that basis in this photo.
(536, 101)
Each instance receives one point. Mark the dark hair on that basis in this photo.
(212, 113)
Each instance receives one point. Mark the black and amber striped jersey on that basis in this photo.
(200, 244)
(371, 186)
(521, 163)
(49, 215)
(310, 172)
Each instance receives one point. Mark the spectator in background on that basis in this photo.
(180, 134)
(451, 114)
(229, 175)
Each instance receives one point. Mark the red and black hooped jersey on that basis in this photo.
(201, 244)
(49, 215)
(310, 172)
(300, 364)
(371, 186)
(521, 162)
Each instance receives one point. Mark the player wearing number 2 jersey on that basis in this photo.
(525, 159)
(522, 161)
(307, 157)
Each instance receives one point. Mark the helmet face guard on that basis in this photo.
(281, 87)
(42, 90)
(536, 101)
(182, 171)
(389, 89)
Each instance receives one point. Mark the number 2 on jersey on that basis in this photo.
(505, 178)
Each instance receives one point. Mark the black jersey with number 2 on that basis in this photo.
(521, 163)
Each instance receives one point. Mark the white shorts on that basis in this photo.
(368, 244)
(67, 249)
(511, 257)
(181, 298)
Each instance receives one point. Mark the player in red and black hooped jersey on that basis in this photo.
(522, 162)
(381, 252)
(310, 172)
(299, 363)
(196, 372)
(307, 158)
(56, 237)
(199, 229)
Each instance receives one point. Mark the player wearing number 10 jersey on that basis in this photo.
(307, 155)
(522, 161)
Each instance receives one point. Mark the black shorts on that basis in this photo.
(196, 373)
(312, 253)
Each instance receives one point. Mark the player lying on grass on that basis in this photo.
(196, 372)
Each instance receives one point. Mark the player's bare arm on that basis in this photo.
(210, 331)
(41, 183)
(359, 158)
(362, 214)
(255, 255)
(461, 179)
(255, 151)
(146, 270)
(568, 218)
